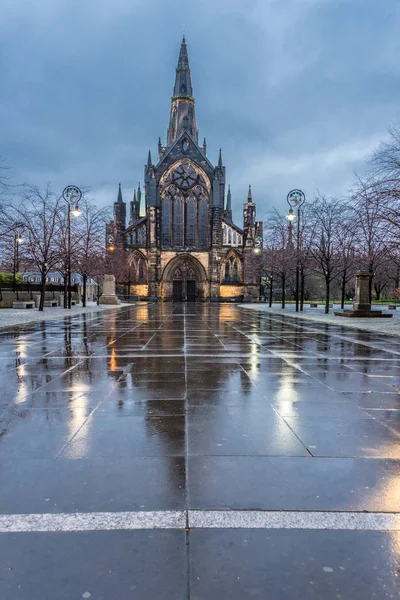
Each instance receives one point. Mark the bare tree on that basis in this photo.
(372, 231)
(89, 243)
(348, 257)
(325, 221)
(384, 183)
(37, 209)
(277, 232)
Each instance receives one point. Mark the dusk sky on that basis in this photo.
(297, 93)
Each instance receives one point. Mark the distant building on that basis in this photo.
(56, 278)
(182, 241)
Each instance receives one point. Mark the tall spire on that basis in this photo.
(249, 195)
(228, 210)
(220, 159)
(182, 115)
(119, 198)
(149, 159)
(183, 83)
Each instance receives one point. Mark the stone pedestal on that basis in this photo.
(361, 303)
(108, 296)
(361, 299)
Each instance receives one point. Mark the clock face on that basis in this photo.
(185, 177)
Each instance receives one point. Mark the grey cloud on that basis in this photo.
(295, 93)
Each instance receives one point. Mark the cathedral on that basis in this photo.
(180, 240)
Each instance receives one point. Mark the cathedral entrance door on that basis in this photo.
(191, 290)
(177, 291)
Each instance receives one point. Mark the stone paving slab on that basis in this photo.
(267, 446)
(387, 326)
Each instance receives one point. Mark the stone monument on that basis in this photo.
(361, 303)
(108, 296)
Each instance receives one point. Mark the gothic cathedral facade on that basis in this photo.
(180, 241)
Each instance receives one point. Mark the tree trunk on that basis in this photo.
(271, 291)
(378, 290)
(84, 290)
(327, 294)
(343, 290)
(283, 279)
(98, 294)
(42, 291)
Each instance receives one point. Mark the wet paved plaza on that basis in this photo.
(202, 452)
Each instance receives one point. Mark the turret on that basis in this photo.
(134, 209)
(249, 220)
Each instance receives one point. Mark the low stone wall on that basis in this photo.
(8, 297)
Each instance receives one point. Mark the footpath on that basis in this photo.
(387, 326)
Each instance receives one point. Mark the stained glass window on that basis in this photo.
(178, 222)
(166, 221)
(203, 223)
(191, 222)
(227, 272)
(235, 276)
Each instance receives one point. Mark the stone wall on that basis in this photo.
(8, 297)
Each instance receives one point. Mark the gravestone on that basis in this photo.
(361, 303)
(108, 296)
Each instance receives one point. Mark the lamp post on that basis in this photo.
(296, 199)
(71, 194)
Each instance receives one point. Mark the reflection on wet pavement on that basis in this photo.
(173, 407)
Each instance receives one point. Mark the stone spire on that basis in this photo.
(134, 209)
(228, 210)
(220, 159)
(182, 115)
(249, 195)
(119, 197)
(139, 193)
(120, 211)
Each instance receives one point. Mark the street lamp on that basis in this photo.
(296, 199)
(71, 194)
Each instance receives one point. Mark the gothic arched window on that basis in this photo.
(229, 236)
(166, 214)
(231, 270)
(141, 270)
(235, 276)
(234, 237)
(185, 192)
(191, 222)
(224, 235)
(178, 222)
(227, 272)
(203, 223)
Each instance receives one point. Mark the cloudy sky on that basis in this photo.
(297, 93)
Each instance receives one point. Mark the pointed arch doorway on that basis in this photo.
(184, 280)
